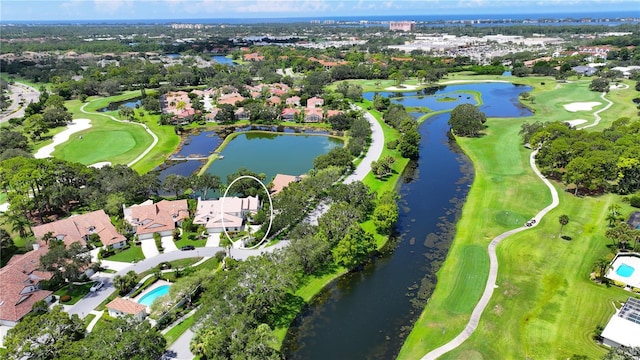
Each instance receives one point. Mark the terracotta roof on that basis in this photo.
(162, 216)
(75, 228)
(19, 285)
(126, 306)
(280, 181)
(315, 101)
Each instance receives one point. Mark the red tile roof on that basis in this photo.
(76, 227)
(126, 306)
(162, 216)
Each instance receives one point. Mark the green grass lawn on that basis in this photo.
(184, 241)
(87, 320)
(545, 305)
(172, 335)
(77, 293)
(134, 253)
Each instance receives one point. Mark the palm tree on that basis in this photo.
(613, 214)
(603, 265)
(19, 223)
(563, 220)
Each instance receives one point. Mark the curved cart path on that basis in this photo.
(596, 114)
(493, 271)
(153, 135)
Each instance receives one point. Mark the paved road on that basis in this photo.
(92, 300)
(373, 153)
(19, 93)
(493, 271)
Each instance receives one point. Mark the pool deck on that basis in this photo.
(630, 259)
(151, 287)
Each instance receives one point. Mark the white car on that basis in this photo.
(97, 285)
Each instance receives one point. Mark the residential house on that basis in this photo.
(241, 114)
(78, 228)
(274, 100)
(315, 102)
(331, 113)
(584, 70)
(231, 98)
(211, 115)
(281, 181)
(230, 210)
(162, 217)
(293, 101)
(253, 57)
(623, 328)
(123, 307)
(289, 114)
(20, 286)
(313, 115)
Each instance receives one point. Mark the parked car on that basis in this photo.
(188, 247)
(97, 285)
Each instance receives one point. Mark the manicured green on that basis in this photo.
(545, 305)
(172, 335)
(184, 241)
(76, 293)
(132, 254)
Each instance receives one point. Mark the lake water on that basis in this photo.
(272, 153)
(368, 314)
(115, 106)
(223, 60)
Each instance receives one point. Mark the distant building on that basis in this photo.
(402, 25)
(624, 327)
(584, 70)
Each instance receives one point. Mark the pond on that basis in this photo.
(368, 314)
(272, 153)
(115, 106)
(268, 153)
(223, 60)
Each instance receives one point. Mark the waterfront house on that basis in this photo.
(162, 217)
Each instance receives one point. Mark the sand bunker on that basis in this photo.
(75, 126)
(403, 87)
(576, 122)
(581, 106)
(98, 165)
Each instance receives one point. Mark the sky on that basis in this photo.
(11, 10)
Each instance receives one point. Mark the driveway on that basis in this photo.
(168, 244)
(179, 350)
(149, 248)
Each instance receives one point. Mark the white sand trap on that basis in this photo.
(581, 106)
(576, 122)
(404, 87)
(75, 126)
(98, 165)
(618, 87)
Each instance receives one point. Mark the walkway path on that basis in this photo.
(373, 153)
(153, 135)
(596, 114)
(493, 271)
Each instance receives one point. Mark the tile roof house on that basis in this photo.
(210, 213)
(232, 98)
(293, 101)
(289, 114)
(331, 113)
(123, 307)
(280, 181)
(148, 218)
(313, 115)
(315, 102)
(20, 285)
(78, 228)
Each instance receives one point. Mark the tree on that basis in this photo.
(602, 265)
(382, 167)
(337, 156)
(599, 85)
(409, 145)
(126, 113)
(246, 187)
(385, 215)
(125, 283)
(175, 183)
(613, 214)
(6, 242)
(467, 120)
(66, 263)
(43, 336)
(205, 183)
(563, 220)
(354, 248)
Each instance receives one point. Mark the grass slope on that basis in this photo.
(545, 306)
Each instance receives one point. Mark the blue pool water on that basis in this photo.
(625, 270)
(148, 298)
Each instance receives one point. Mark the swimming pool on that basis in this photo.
(149, 297)
(625, 270)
